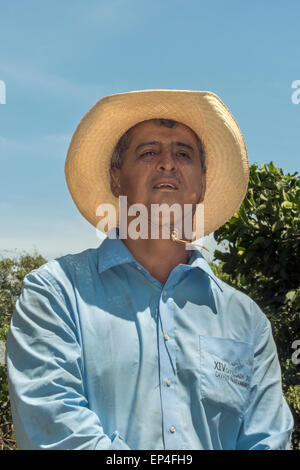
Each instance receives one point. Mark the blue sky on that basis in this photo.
(59, 58)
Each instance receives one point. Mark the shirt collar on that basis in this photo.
(112, 252)
(197, 260)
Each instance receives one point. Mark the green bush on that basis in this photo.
(12, 273)
(7, 439)
(262, 259)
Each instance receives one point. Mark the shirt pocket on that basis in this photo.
(225, 372)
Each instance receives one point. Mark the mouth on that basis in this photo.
(166, 186)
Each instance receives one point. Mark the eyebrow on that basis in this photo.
(155, 142)
(181, 144)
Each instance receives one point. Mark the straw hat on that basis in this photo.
(88, 159)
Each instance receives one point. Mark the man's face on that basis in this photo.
(157, 157)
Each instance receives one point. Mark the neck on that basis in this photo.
(159, 256)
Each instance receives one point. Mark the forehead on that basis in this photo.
(155, 129)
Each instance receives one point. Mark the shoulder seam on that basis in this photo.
(264, 326)
(42, 272)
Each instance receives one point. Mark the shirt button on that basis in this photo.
(168, 382)
(139, 268)
(166, 337)
(164, 293)
(172, 428)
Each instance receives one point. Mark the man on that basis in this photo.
(136, 344)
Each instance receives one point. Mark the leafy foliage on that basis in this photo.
(12, 273)
(262, 260)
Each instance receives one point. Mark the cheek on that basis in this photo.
(195, 179)
(134, 184)
(194, 188)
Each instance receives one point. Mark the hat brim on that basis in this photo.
(89, 154)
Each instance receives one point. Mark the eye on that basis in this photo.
(183, 155)
(148, 153)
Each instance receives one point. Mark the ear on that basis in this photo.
(115, 184)
(203, 186)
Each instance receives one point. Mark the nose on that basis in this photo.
(166, 161)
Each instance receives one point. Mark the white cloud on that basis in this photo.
(5, 205)
(46, 146)
(30, 77)
(115, 16)
(50, 237)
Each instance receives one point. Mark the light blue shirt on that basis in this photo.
(101, 355)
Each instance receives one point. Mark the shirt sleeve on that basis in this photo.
(46, 377)
(268, 421)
